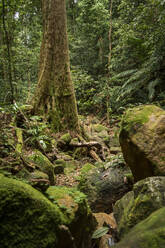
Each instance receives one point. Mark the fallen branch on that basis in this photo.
(91, 145)
(95, 156)
(87, 144)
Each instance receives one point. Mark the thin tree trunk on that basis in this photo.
(54, 95)
(110, 37)
(8, 52)
(109, 57)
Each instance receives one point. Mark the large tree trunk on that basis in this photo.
(54, 95)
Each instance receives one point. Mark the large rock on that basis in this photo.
(78, 216)
(148, 233)
(42, 163)
(142, 139)
(147, 196)
(104, 187)
(27, 218)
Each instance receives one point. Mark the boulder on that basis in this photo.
(104, 187)
(79, 218)
(142, 139)
(39, 180)
(148, 233)
(43, 164)
(146, 197)
(59, 166)
(64, 141)
(27, 218)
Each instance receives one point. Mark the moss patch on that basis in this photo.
(27, 218)
(139, 116)
(146, 197)
(99, 128)
(66, 138)
(148, 233)
(43, 164)
(77, 213)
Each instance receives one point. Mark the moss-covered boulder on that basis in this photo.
(59, 166)
(78, 216)
(64, 141)
(39, 180)
(99, 128)
(27, 218)
(42, 163)
(104, 187)
(142, 139)
(146, 197)
(148, 233)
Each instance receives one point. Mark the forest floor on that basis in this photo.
(21, 135)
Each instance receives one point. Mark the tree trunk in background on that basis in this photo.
(8, 46)
(109, 57)
(54, 96)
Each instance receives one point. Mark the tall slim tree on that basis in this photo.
(55, 95)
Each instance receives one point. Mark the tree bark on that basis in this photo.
(7, 41)
(54, 96)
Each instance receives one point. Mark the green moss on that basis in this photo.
(135, 206)
(19, 139)
(70, 166)
(43, 163)
(148, 233)
(39, 175)
(74, 140)
(27, 218)
(80, 152)
(73, 205)
(130, 177)
(106, 140)
(139, 116)
(86, 168)
(60, 161)
(99, 128)
(66, 138)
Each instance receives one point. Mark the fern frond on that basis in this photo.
(151, 88)
(123, 74)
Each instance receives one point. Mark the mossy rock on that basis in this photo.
(59, 166)
(39, 175)
(80, 152)
(66, 138)
(142, 139)
(146, 197)
(27, 218)
(77, 213)
(104, 187)
(60, 161)
(65, 157)
(43, 164)
(99, 128)
(86, 168)
(70, 166)
(107, 140)
(148, 233)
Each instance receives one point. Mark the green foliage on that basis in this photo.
(23, 32)
(137, 61)
(135, 74)
(89, 97)
(100, 232)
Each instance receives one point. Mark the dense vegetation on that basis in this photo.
(117, 56)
